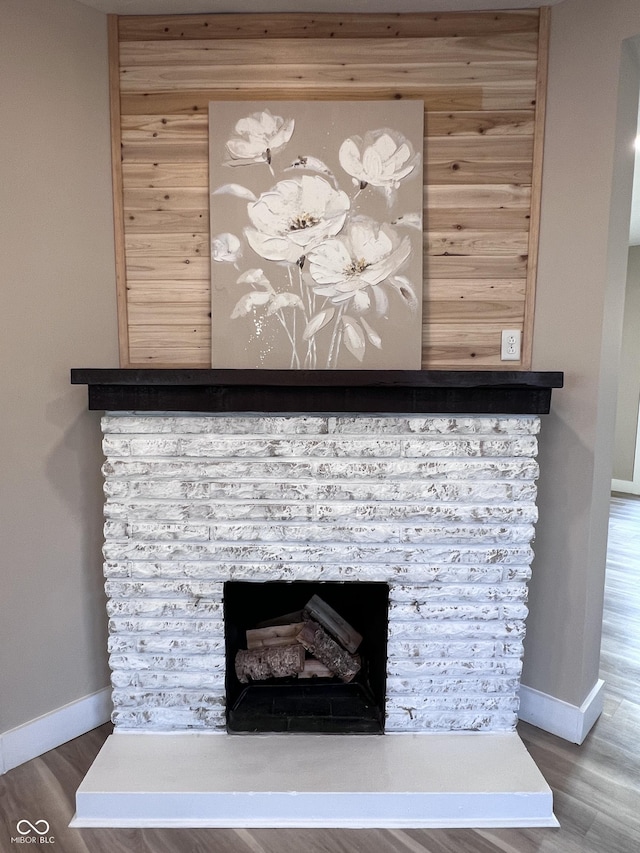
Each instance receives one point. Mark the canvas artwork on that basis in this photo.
(316, 234)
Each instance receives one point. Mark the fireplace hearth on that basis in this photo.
(416, 529)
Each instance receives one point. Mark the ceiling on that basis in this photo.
(189, 7)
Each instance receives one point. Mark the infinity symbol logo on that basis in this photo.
(40, 827)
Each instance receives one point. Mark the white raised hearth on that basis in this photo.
(438, 506)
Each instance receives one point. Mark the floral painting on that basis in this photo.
(316, 234)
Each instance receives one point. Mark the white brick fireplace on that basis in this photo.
(441, 508)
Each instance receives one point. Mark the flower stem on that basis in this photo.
(295, 360)
(306, 295)
(334, 347)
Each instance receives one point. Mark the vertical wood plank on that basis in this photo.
(118, 207)
(536, 186)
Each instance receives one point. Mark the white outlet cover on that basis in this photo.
(511, 345)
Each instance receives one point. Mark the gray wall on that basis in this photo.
(629, 380)
(58, 311)
(587, 179)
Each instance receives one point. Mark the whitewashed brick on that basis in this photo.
(177, 681)
(466, 702)
(115, 530)
(166, 608)
(113, 446)
(152, 445)
(213, 446)
(433, 512)
(417, 574)
(457, 592)
(487, 534)
(421, 721)
(318, 424)
(168, 531)
(168, 719)
(468, 447)
(116, 570)
(437, 685)
(522, 425)
(295, 552)
(434, 649)
(479, 611)
(440, 508)
(422, 630)
(187, 699)
(212, 510)
(517, 573)
(153, 644)
(214, 424)
(293, 533)
(423, 574)
(171, 663)
(433, 493)
(470, 668)
(210, 628)
(453, 469)
(261, 470)
(192, 589)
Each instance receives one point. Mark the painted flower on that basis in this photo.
(258, 137)
(354, 265)
(262, 295)
(225, 248)
(381, 158)
(294, 217)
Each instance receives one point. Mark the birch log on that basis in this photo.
(333, 622)
(260, 664)
(316, 640)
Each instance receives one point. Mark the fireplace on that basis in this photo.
(416, 529)
(315, 698)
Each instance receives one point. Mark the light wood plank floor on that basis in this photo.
(596, 786)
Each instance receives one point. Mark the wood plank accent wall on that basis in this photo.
(482, 79)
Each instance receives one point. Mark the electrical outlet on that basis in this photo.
(511, 343)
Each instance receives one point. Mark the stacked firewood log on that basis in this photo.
(315, 642)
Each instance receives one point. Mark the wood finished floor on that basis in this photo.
(596, 786)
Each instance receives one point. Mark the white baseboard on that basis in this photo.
(627, 487)
(570, 722)
(53, 729)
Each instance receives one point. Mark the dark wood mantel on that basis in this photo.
(319, 392)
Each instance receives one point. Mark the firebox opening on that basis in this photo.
(339, 682)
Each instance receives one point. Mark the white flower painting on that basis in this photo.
(316, 234)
